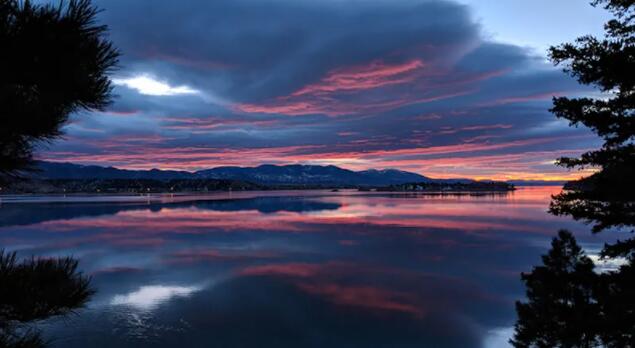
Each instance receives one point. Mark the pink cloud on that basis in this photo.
(522, 99)
(202, 124)
(372, 88)
(332, 107)
(376, 74)
(285, 269)
(469, 158)
(347, 134)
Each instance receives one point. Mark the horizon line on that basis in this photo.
(553, 180)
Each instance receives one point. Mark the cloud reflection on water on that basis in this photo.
(151, 296)
(330, 269)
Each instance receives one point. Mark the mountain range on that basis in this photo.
(264, 174)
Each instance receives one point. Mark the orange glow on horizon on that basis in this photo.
(457, 164)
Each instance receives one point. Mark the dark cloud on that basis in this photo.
(490, 56)
(323, 82)
(246, 50)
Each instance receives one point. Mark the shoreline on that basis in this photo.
(167, 197)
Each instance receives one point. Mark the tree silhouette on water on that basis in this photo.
(561, 311)
(607, 198)
(616, 298)
(37, 289)
(570, 305)
(54, 61)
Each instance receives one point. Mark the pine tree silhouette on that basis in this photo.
(570, 305)
(54, 61)
(37, 289)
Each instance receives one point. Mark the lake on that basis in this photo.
(292, 269)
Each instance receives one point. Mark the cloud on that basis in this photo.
(149, 86)
(237, 50)
(245, 82)
(376, 74)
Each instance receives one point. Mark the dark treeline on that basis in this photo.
(137, 186)
(127, 186)
(476, 186)
(570, 303)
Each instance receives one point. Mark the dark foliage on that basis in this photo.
(561, 311)
(569, 304)
(21, 339)
(616, 322)
(475, 186)
(36, 289)
(134, 186)
(607, 198)
(54, 61)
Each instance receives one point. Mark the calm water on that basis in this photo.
(300, 269)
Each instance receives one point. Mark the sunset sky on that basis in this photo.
(438, 87)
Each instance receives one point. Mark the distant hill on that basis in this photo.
(311, 175)
(291, 175)
(71, 171)
(286, 175)
(394, 175)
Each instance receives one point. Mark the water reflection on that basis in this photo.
(20, 213)
(318, 269)
(149, 297)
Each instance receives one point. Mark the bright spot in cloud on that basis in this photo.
(148, 297)
(147, 85)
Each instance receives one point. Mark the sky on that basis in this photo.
(443, 88)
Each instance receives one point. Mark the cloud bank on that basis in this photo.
(411, 85)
